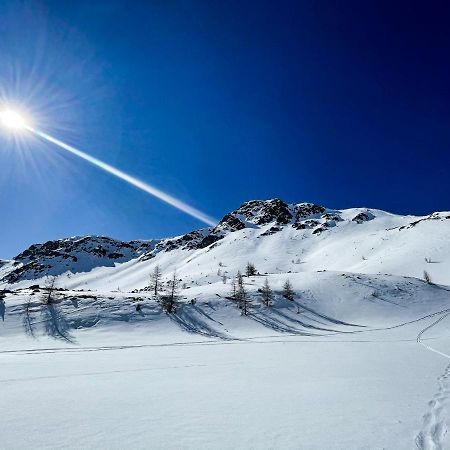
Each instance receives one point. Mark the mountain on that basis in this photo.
(276, 236)
(77, 254)
(360, 345)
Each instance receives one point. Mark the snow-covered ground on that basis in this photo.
(358, 360)
(338, 368)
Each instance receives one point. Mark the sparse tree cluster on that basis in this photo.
(166, 293)
(169, 300)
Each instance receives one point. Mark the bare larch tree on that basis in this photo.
(288, 292)
(155, 280)
(266, 293)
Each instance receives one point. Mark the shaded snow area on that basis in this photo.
(358, 359)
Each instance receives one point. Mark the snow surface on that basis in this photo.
(357, 361)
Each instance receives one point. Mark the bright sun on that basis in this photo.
(12, 119)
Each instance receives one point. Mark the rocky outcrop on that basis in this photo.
(263, 212)
(363, 217)
(78, 254)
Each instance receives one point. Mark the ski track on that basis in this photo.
(436, 422)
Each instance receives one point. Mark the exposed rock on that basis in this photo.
(433, 216)
(271, 230)
(229, 223)
(305, 224)
(303, 210)
(260, 212)
(78, 254)
(363, 217)
(331, 217)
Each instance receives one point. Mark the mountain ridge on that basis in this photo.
(81, 254)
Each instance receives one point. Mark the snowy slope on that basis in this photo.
(357, 360)
(276, 237)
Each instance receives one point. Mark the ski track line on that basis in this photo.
(89, 374)
(437, 420)
(248, 340)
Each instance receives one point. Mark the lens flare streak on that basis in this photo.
(128, 178)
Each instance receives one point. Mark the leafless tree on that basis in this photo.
(250, 269)
(169, 301)
(288, 292)
(240, 294)
(239, 280)
(155, 280)
(224, 279)
(244, 299)
(49, 291)
(233, 288)
(266, 293)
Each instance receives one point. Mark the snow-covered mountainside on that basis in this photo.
(77, 254)
(277, 237)
(354, 358)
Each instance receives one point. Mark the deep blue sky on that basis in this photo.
(217, 102)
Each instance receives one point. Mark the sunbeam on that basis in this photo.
(176, 203)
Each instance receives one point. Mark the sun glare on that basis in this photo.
(15, 122)
(12, 119)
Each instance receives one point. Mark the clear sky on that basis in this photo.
(217, 102)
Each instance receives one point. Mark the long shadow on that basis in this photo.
(200, 311)
(276, 325)
(194, 324)
(328, 318)
(28, 319)
(376, 295)
(55, 322)
(299, 322)
(387, 301)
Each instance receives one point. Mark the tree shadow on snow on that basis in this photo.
(55, 323)
(188, 318)
(28, 316)
(280, 320)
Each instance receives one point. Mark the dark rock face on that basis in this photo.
(363, 217)
(304, 210)
(331, 216)
(305, 224)
(262, 212)
(79, 254)
(230, 223)
(208, 240)
(189, 241)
